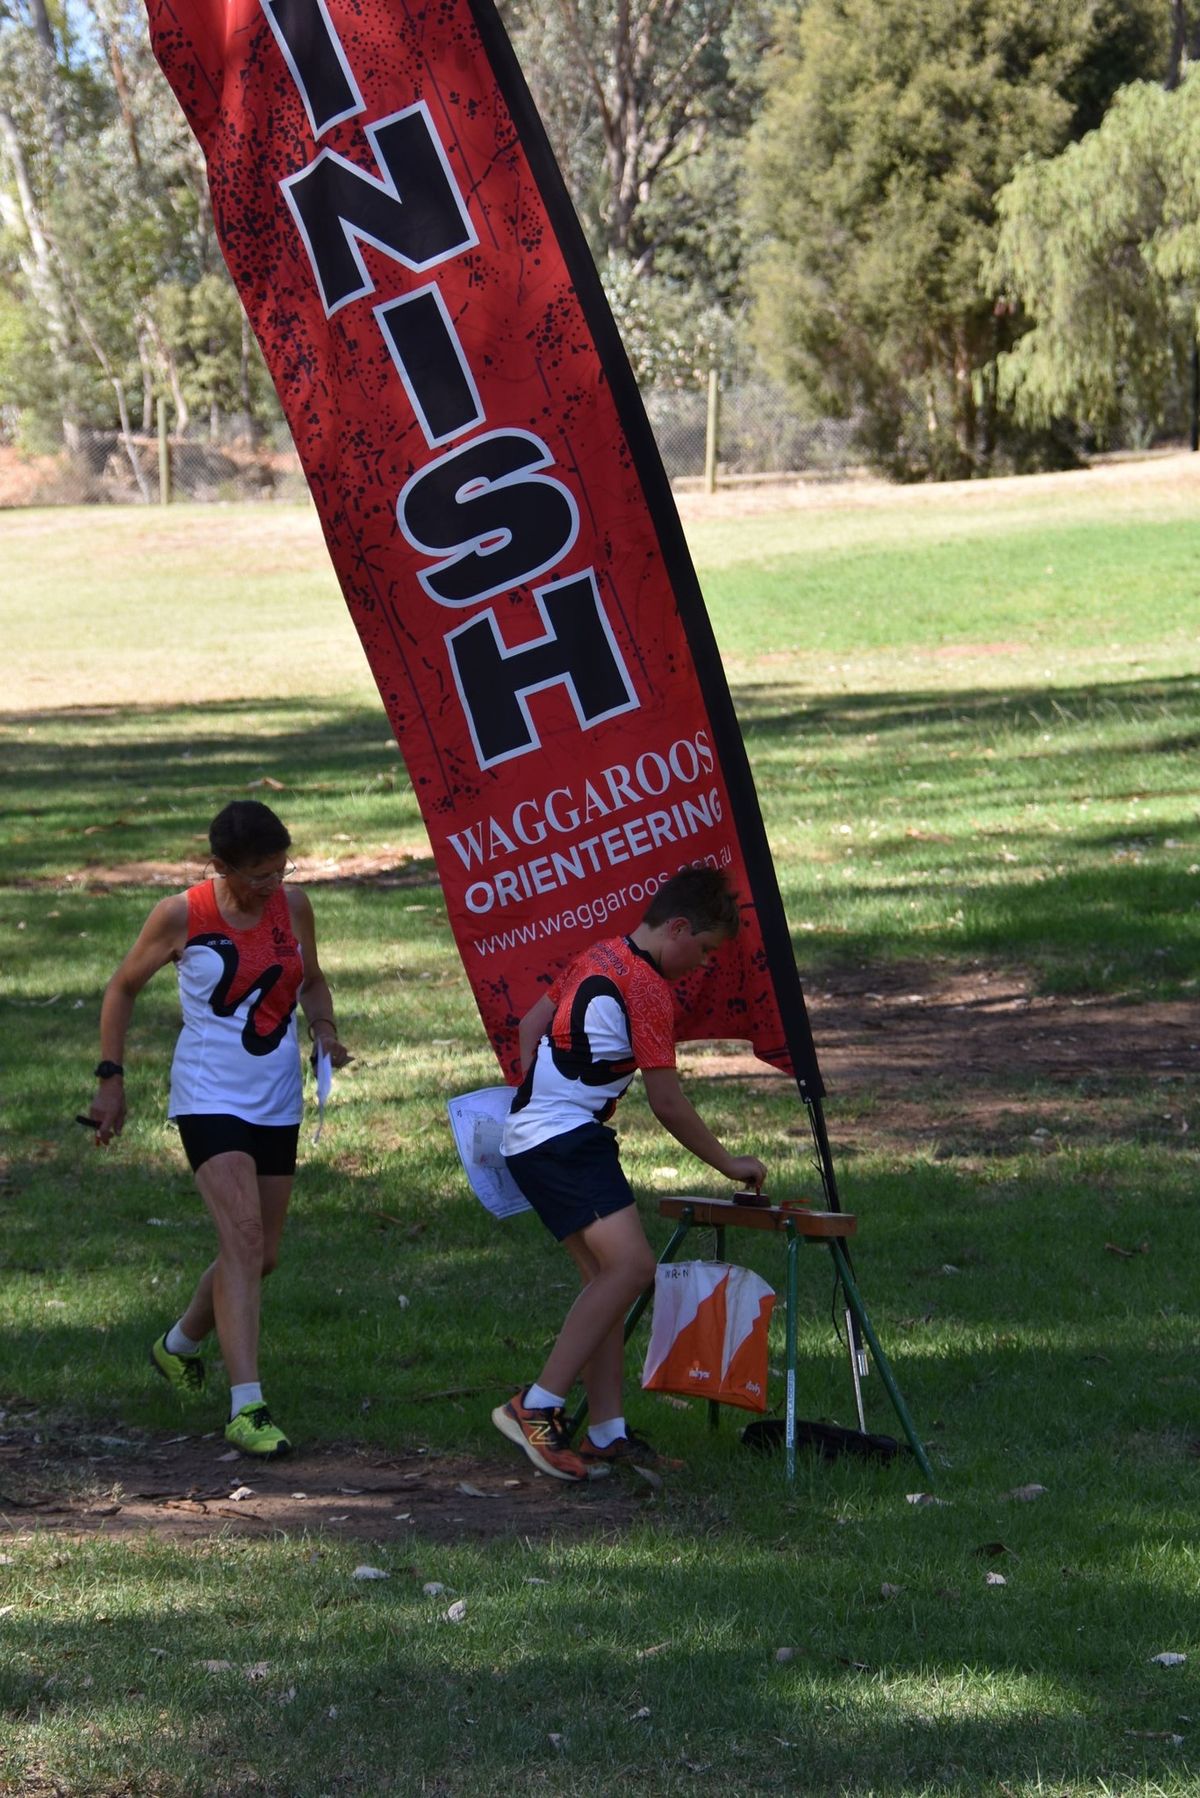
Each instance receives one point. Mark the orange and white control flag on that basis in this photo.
(709, 1334)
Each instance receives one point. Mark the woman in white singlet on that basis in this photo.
(245, 950)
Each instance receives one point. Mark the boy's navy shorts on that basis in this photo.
(573, 1179)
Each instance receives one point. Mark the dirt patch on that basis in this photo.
(1155, 470)
(53, 1478)
(971, 1060)
(408, 866)
(23, 478)
(885, 1026)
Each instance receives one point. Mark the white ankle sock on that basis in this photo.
(178, 1344)
(241, 1396)
(538, 1399)
(603, 1434)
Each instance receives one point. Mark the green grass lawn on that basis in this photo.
(973, 723)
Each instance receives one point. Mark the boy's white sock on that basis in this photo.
(608, 1432)
(538, 1399)
(178, 1344)
(241, 1396)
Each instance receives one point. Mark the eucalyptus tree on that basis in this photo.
(887, 129)
(647, 103)
(113, 287)
(45, 101)
(631, 91)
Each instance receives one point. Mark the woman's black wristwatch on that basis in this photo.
(109, 1070)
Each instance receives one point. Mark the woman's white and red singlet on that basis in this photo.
(237, 1052)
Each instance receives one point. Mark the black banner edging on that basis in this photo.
(710, 672)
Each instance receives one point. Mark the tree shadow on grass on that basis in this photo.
(979, 803)
(1167, 703)
(654, 1664)
(141, 784)
(1025, 1352)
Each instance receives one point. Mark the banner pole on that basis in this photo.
(860, 1365)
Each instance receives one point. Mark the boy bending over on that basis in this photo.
(608, 1014)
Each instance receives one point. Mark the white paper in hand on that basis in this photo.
(477, 1120)
(324, 1088)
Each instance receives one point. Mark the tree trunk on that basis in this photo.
(253, 433)
(45, 38)
(991, 408)
(1178, 45)
(966, 410)
(127, 440)
(121, 84)
(642, 75)
(147, 367)
(166, 356)
(38, 265)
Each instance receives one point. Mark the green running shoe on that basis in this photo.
(253, 1432)
(186, 1373)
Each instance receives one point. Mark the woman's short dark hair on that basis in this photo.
(701, 895)
(246, 831)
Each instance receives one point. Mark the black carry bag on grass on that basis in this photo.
(829, 1440)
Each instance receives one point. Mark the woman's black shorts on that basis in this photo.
(272, 1147)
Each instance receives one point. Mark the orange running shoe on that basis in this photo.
(543, 1436)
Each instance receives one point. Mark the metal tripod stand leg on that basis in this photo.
(858, 1367)
(714, 1410)
(881, 1361)
(789, 1326)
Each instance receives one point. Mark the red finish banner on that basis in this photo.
(488, 486)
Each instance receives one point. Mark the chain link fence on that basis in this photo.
(112, 468)
(748, 429)
(760, 433)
